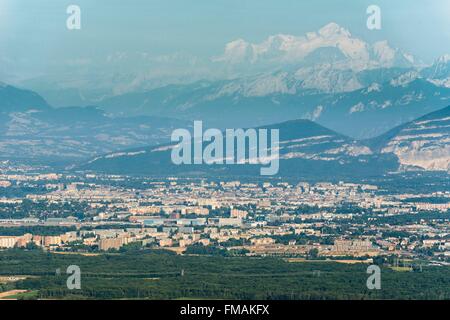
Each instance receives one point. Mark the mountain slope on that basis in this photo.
(420, 144)
(13, 99)
(306, 149)
(439, 72)
(30, 128)
(278, 97)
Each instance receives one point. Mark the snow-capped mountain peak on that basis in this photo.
(290, 49)
(443, 59)
(333, 29)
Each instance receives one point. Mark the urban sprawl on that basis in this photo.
(89, 213)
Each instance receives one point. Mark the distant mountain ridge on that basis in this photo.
(31, 128)
(331, 50)
(273, 98)
(351, 52)
(329, 76)
(358, 88)
(306, 149)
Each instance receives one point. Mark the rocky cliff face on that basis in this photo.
(420, 144)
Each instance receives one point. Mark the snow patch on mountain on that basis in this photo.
(441, 83)
(359, 107)
(404, 79)
(351, 150)
(124, 154)
(374, 87)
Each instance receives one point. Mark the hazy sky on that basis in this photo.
(34, 37)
